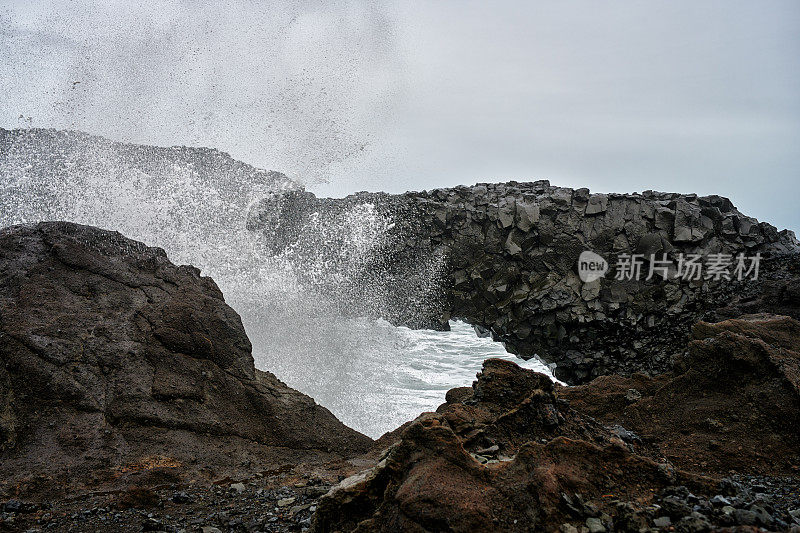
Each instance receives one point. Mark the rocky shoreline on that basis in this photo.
(129, 402)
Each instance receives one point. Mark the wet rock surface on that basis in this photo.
(121, 368)
(504, 257)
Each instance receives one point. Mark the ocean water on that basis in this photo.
(374, 376)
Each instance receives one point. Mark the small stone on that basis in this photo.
(490, 450)
(211, 529)
(298, 508)
(633, 395)
(568, 528)
(151, 524)
(696, 523)
(762, 515)
(744, 517)
(181, 497)
(238, 487)
(595, 525)
(13, 506)
(662, 521)
(719, 500)
(675, 507)
(286, 502)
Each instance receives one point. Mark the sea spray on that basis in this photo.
(310, 308)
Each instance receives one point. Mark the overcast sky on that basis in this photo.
(687, 96)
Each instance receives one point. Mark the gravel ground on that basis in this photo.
(274, 504)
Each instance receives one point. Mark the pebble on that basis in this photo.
(151, 524)
(490, 450)
(694, 523)
(762, 516)
(633, 395)
(181, 497)
(662, 521)
(595, 525)
(12, 506)
(744, 517)
(720, 501)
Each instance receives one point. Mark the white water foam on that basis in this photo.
(374, 376)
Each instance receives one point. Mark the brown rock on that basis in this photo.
(433, 478)
(117, 363)
(732, 403)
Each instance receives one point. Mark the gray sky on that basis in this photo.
(671, 95)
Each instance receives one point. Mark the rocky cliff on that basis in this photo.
(504, 257)
(117, 364)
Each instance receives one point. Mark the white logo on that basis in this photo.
(591, 266)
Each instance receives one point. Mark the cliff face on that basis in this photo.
(115, 363)
(506, 259)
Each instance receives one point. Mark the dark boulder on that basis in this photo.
(117, 363)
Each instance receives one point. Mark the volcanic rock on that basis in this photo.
(552, 467)
(732, 402)
(118, 365)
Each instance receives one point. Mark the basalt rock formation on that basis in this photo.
(117, 364)
(504, 257)
(127, 380)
